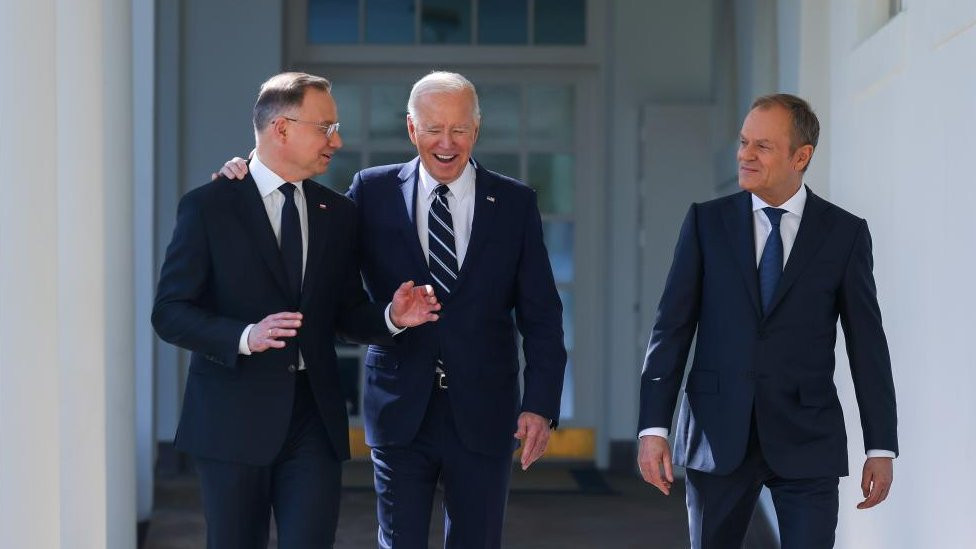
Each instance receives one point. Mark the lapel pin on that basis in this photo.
(491, 198)
(323, 207)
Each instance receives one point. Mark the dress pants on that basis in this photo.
(721, 506)
(302, 486)
(475, 486)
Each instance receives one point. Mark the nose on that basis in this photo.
(745, 152)
(335, 140)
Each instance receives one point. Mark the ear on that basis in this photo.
(802, 157)
(411, 130)
(278, 129)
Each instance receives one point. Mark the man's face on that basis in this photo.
(767, 168)
(306, 146)
(444, 130)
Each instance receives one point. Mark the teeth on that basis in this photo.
(445, 157)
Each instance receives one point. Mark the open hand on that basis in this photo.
(413, 305)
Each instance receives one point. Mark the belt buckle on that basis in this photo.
(441, 380)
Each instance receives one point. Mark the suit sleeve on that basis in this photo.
(674, 329)
(180, 314)
(867, 347)
(539, 315)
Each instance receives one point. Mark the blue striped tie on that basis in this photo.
(441, 252)
(771, 262)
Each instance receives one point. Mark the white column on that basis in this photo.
(67, 433)
(30, 437)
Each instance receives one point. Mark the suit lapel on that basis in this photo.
(813, 230)
(481, 225)
(738, 222)
(404, 208)
(255, 220)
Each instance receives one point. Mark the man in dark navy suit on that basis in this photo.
(258, 279)
(442, 402)
(761, 277)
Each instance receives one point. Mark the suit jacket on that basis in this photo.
(506, 268)
(780, 364)
(223, 271)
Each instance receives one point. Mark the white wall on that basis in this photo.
(901, 127)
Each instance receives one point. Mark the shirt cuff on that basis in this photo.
(242, 347)
(880, 454)
(389, 321)
(653, 431)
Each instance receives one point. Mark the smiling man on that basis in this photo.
(259, 277)
(762, 277)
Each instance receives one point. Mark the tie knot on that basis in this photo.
(441, 190)
(775, 215)
(287, 189)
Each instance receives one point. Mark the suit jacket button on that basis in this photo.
(291, 368)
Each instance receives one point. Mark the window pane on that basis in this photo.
(389, 21)
(503, 163)
(500, 107)
(551, 113)
(342, 168)
(503, 22)
(333, 21)
(560, 22)
(384, 158)
(445, 21)
(559, 241)
(551, 175)
(349, 100)
(388, 111)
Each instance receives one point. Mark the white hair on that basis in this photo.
(442, 82)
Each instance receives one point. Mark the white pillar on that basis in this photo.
(67, 433)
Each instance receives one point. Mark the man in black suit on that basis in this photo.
(258, 279)
(762, 277)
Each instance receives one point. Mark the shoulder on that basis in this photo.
(212, 194)
(379, 174)
(324, 196)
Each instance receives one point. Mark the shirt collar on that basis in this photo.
(267, 181)
(460, 187)
(794, 205)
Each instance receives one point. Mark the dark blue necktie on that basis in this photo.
(291, 241)
(771, 262)
(441, 251)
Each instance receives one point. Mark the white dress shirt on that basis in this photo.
(460, 198)
(268, 183)
(789, 225)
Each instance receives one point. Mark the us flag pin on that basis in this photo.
(323, 207)
(490, 198)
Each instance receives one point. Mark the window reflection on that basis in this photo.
(333, 21)
(445, 22)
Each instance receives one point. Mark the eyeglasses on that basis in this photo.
(328, 130)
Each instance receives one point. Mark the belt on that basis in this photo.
(440, 376)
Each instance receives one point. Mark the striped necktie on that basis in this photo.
(442, 255)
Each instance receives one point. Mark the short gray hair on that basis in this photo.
(283, 91)
(442, 82)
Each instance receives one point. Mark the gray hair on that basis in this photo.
(283, 91)
(442, 82)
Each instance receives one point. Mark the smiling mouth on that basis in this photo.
(444, 158)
